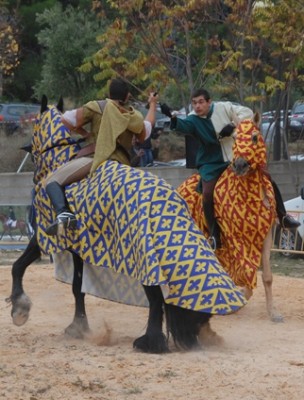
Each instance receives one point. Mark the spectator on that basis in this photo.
(136, 153)
(143, 154)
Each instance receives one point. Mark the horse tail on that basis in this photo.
(184, 326)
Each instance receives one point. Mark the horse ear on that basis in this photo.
(60, 104)
(257, 118)
(44, 102)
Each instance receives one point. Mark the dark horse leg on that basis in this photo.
(21, 303)
(79, 327)
(154, 341)
(185, 325)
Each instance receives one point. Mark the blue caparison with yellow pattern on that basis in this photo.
(132, 222)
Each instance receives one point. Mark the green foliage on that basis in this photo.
(28, 71)
(66, 38)
(246, 51)
(30, 29)
(9, 46)
(25, 76)
(259, 54)
(153, 44)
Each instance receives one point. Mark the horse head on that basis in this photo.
(52, 144)
(249, 150)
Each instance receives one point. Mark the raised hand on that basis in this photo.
(165, 109)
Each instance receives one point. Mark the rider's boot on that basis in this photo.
(213, 227)
(65, 218)
(286, 220)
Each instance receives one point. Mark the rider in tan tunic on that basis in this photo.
(112, 126)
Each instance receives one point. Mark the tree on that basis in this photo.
(9, 47)
(260, 49)
(29, 69)
(228, 45)
(287, 52)
(155, 44)
(67, 37)
(283, 42)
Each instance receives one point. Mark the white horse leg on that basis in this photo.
(247, 292)
(208, 337)
(274, 315)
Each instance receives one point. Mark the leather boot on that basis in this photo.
(213, 227)
(65, 218)
(286, 220)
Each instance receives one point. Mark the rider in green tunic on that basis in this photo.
(212, 124)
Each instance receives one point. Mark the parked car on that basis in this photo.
(269, 116)
(290, 240)
(297, 157)
(12, 115)
(296, 125)
(28, 118)
(268, 124)
(268, 130)
(181, 162)
(163, 123)
(173, 163)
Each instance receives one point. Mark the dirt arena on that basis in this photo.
(258, 359)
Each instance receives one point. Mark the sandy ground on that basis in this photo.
(257, 360)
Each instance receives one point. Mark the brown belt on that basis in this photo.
(86, 150)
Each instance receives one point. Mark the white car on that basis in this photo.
(298, 157)
(292, 241)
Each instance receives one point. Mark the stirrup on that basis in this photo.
(64, 220)
(212, 242)
(215, 243)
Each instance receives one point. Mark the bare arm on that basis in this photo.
(152, 101)
(149, 119)
(74, 121)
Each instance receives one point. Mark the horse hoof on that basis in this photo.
(208, 337)
(21, 310)
(78, 329)
(277, 318)
(156, 344)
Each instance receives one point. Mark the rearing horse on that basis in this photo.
(245, 209)
(133, 223)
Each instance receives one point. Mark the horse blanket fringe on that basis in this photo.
(101, 282)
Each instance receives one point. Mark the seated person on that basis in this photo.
(113, 124)
(213, 123)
